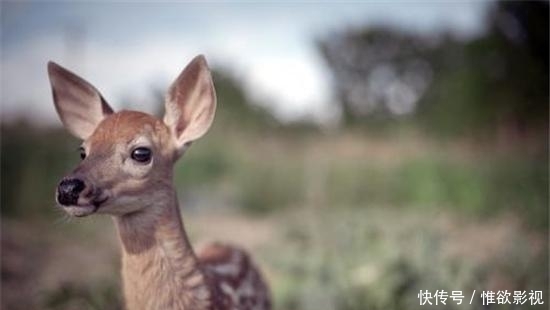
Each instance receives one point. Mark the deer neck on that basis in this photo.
(159, 268)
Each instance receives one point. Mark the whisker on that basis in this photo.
(63, 218)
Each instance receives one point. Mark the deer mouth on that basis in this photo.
(85, 208)
(99, 201)
(80, 210)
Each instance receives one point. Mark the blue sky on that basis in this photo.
(126, 48)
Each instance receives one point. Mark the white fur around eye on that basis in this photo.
(133, 167)
(137, 169)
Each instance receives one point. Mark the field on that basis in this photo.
(362, 154)
(336, 220)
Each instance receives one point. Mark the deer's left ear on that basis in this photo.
(190, 103)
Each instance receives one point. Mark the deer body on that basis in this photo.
(126, 172)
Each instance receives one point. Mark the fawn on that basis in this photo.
(126, 172)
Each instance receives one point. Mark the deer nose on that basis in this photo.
(69, 190)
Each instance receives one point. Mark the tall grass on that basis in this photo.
(381, 259)
(33, 160)
(361, 221)
(266, 175)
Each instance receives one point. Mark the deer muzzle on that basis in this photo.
(78, 197)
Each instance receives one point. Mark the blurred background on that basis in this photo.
(362, 152)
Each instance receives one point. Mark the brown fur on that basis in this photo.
(159, 267)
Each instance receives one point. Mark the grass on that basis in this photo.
(381, 259)
(313, 257)
(352, 221)
(271, 173)
(286, 174)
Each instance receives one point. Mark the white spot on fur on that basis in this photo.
(202, 293)
(227, 269)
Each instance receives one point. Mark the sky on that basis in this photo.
(125, 49)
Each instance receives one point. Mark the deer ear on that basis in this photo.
(190, 103)
(79, 105)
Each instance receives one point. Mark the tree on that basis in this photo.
(496, 82)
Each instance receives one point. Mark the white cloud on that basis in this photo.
(127, 48)
(24, 84)
(292, 82)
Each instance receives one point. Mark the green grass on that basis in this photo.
(351, 259)
(262, 177)
(32, 163)
(359, 230)
(380, 259)
(96, 296)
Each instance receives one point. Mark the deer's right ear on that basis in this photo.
(190, 103)
(79, 105)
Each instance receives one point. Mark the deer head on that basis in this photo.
(128, 156)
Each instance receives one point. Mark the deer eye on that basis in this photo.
(82, 152)
(141, 154)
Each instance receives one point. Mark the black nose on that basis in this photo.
(69, 190)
